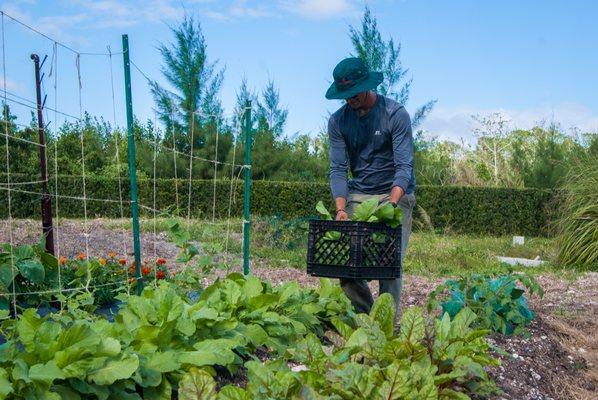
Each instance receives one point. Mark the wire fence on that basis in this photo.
(31, 186)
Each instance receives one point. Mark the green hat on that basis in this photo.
(352, 76)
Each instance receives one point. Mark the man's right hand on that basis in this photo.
(341, 215)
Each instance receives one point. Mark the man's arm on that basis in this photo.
(402, 144)
(338, 168)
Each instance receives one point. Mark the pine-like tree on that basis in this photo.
(384, 56)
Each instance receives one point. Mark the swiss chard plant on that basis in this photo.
(498, 301)
(369, 211)
(435, 359)
(159, 342)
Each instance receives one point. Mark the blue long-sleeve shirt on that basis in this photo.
(378, 147)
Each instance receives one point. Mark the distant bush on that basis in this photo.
(495, 211)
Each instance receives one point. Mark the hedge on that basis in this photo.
(495, 211)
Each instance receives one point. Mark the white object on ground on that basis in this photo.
(526, 262)
(298, 368)
(518, 240)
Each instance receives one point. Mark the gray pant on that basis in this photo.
(357, 290)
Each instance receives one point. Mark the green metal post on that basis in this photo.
(247, 191)
(132, 171)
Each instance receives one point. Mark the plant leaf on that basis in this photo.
(197, 384)
(45, 373)
(365, 210)
(210, 352)
(383, 312)
(32, 270)
(230, 392)
(5, 386)
(412, 325)
(321, 208)
(164, 362)
(115, 370)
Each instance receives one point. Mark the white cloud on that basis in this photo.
(456, 123)
(56, 27)
(119, 14)
(93, 14)
(13, 86)
(241, 9)
(319, 8)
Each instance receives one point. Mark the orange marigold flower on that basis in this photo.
(111, 254)
(81, 256)
(160, 274)
(160, 261)
(131, 270)
(122, 261)
(62, 260)
(102, 261)
(146, 271)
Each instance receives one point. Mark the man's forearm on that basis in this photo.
(341, 203)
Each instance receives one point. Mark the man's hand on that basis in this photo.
(341, 215)
(395, 195)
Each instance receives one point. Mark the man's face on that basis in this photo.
(358, 101)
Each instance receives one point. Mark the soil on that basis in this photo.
(556, 359)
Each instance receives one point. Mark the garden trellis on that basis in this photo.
(56, 84)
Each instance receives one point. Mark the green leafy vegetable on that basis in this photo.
(498, 302)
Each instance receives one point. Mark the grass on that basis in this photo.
(277, 243)
(578, 226)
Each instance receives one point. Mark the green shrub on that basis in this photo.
(495, 211)
(578, 226)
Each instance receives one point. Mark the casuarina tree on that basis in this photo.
(191, 104)
(383, 55)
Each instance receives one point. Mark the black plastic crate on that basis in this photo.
(351, 249)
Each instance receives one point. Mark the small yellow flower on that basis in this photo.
(102, 261)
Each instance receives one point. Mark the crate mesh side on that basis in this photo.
(332, 252)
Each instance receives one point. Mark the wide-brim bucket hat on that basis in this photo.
(352, 76)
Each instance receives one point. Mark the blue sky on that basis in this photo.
(531, 60)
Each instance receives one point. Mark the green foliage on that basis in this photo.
(159, 341)
(495, 211)
(197, 384)
(36, 279)
(383, 56)
(498, 302)
(578, 224)
(195, 82)
(25, 269)
(182, 239)
(369, 211)
(436, 359)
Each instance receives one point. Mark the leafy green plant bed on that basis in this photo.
(157, 337)
(30, 277)
(162, 346)
(498, 300)
(36, 278)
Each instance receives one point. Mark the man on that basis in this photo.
(371, 134)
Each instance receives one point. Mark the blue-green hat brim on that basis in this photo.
(371, 82)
